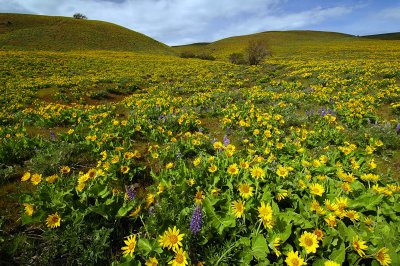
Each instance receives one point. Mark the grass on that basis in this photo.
(384, 36)
(50, 33)
(292, 43)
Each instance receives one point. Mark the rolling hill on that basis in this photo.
(384, 36)
(279, 42)
(51, 33)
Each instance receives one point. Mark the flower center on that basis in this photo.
(173, 239)
(308, 242)
(295, 262)
(54, 219)
(179, 258)
(131, 246)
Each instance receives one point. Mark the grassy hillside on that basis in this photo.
(291, 43)
(385, 36)
(33, 32)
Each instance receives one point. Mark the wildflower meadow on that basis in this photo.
(119, 158)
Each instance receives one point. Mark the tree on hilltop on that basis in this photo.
(79, 16)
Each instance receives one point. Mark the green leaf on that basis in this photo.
(126, 207)
(319, 262)
(259, 248)
(284, 229)
(37, 217)
(367, 201)
(100, 209)
(219, 223)
(148, 246)
(339, 254)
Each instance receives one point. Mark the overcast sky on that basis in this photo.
(187, 21)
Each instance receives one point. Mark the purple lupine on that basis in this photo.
(226, 140)
(398, 128)
(52, 135)
(195, 223)
(130, 192)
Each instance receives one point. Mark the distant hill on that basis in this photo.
(384, 36)
(280, 42)
(34, 32)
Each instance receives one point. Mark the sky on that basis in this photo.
(177, 22)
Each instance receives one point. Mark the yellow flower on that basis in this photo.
(215, 191)
(245, 191)
(149, 199)
(65, 170)
(199, 197)
(171, 239)
(319, 233)
(125, 169)
(130, 246)
(383, 257)
(28, 209)
(169, 166)
(152, 262)
(359, 246)
(317, 189)
(36, 178)
(80, 186)
(282, 194)
(218, 145)
(180, 258)
(115, 159)
(353, 215)
(265, 211)
(244, 164)
(276, 245)
(51, 179)
(342, 202)
(346, 187)
(258, 173)
(233, 169)
(26, 177)
(331, 263)
(238, 208)
(191, 182)
(282, 171)
(309, 242)
(212, 168)
(293, 259)
(331, 220)
(136, 211)
(128, 155)
(53, 220)
(197, 161)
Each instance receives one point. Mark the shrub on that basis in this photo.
(203, 56)
(256, 52)
(187, 55)
(79, 16)
(237, 58)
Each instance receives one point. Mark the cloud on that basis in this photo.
(182, 21)
(390, 13)
(300, 20)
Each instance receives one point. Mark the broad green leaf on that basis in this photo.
(147, 246)
(126, 207)
(259, 248)
(339, 254)
(219, 223)
(367, 201)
